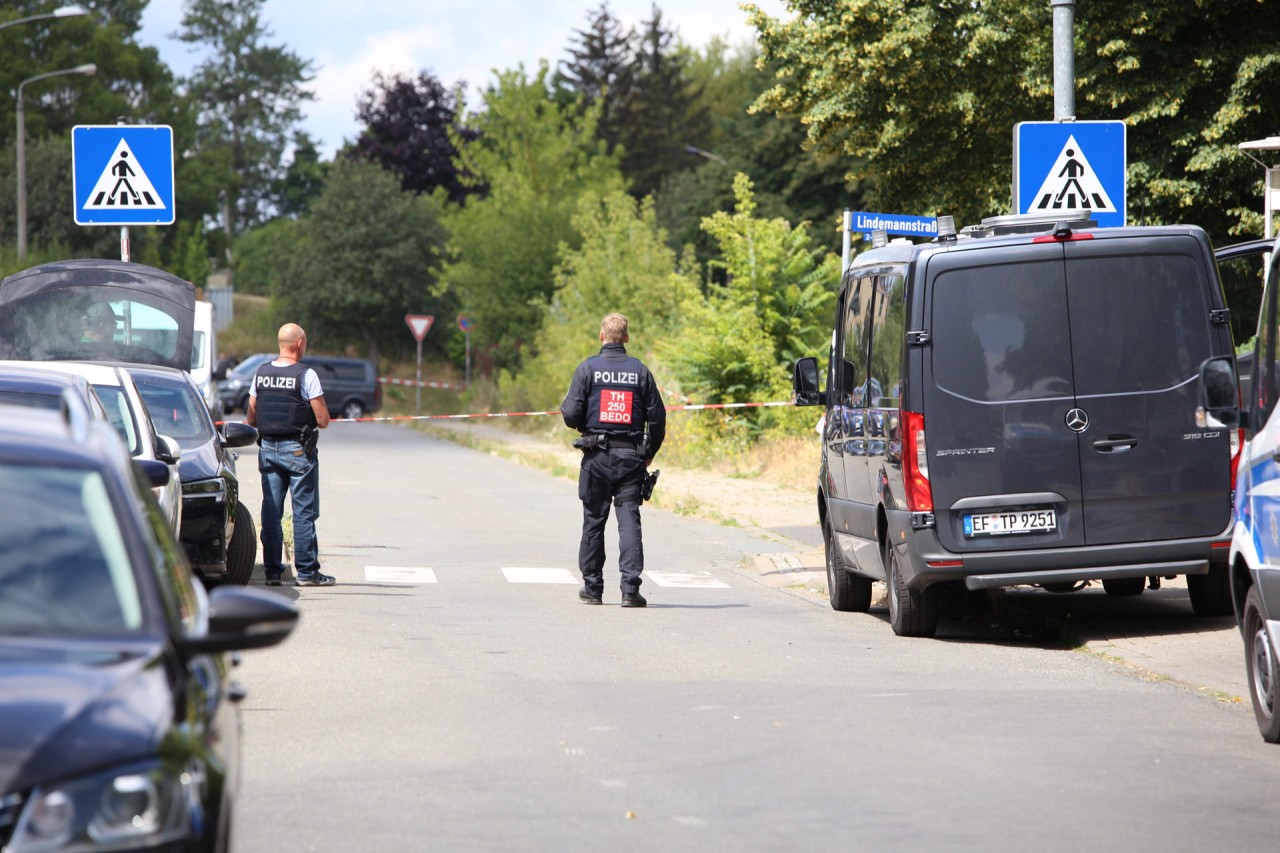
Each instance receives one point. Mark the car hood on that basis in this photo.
(68, 711)
(43, 310)
(201, 462)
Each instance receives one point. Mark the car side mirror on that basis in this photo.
(238, 434)
(168, 450)
(156, 472)
(804, 383)
(243, 618)
(1219, 395)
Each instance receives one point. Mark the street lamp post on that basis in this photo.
(62, 12)
(22, 148)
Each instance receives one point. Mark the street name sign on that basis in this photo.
(1071, 165)
(122, 174)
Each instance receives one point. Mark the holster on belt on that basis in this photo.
(592, 442)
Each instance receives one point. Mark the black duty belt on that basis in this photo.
(297, 436)
(622, 439)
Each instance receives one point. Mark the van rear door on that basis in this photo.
(998, 386)
(1140, 328)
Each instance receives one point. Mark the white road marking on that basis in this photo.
(694, 580)
(525, 574)
(399, 574)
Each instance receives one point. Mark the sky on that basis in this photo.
(456, 40)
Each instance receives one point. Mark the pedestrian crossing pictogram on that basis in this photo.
(1072, 184)
(123, 183)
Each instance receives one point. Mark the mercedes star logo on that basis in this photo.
(1078, 420)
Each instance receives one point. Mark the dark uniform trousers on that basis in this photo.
(612, 476)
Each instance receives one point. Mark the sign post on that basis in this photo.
(419, 324)
(466, 324)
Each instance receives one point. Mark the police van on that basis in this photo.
(1009, 405)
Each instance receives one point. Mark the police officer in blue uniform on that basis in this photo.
(286, 404)
(614, 402)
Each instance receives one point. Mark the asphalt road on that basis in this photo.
(450, 693)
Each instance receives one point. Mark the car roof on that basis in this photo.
(52, 437)
(99, 373)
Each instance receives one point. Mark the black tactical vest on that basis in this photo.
(282, 410)
(616, 403)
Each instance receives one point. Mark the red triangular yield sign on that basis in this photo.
(420, 324)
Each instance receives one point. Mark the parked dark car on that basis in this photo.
(233, 388)
(351, 386)
(27, 384)
(217, 528)
(1008, 406)
(118, 723)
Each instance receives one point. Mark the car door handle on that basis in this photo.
(1115, 444)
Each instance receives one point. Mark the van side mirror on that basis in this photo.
(1219, 394)
(804, 383)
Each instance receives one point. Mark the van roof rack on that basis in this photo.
(1030, 223)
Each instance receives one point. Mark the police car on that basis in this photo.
(1255, 545)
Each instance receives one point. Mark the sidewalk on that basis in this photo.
(1156, 634)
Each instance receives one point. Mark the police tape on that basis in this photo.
(685, 408)
(421, 383)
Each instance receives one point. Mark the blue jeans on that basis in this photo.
(286, 468)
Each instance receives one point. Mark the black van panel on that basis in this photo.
(998, 386)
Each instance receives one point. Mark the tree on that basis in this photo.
(410, 128)
(537, 158)
(741, 339)
(362, 260)
(922, 96)
(304, 180)
(664, 115)
(249, 95)
(623, 263)
(600, 72)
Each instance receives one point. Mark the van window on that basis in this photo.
(888, 330)
(853, 350)
(1138, 322)
(1000, 332)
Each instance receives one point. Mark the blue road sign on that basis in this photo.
(1070, 165)
(122, 174)
(894, 223)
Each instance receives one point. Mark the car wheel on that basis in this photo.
(1260, 662)
(352, 409)
(243, 550)
(912, 612)
(847, 591)
(1211, 594)
(1125, 586)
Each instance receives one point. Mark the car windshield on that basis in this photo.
(64, 568)
(176, 410)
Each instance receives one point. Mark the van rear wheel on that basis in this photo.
(846, 590)
(352, 409)
(912, 612)
(1211, 594)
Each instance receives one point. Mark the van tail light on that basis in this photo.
(915, 464)
(1237, 444)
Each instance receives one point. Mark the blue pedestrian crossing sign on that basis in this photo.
(1071, 165)
(122, 174)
